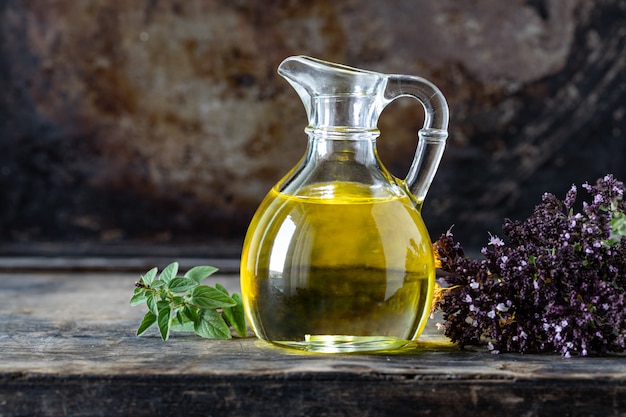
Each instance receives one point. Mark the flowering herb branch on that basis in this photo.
(181, 303)
(557, 285)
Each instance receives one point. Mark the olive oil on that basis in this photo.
(339, 267)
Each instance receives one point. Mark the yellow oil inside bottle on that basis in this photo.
(341, 267)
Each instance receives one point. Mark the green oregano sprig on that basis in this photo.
(180, 303)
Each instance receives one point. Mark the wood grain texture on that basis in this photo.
(67, 347)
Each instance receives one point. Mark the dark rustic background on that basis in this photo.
(163, 121)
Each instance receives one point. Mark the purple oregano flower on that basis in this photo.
(558, 285)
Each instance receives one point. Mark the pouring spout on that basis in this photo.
(334, 95)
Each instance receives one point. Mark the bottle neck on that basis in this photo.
(341, 155)
(347, 111)
(343, 145)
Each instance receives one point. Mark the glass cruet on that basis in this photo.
(337, 257)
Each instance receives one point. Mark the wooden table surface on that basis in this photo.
(68, 348)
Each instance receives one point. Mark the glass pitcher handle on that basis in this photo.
(432, 137)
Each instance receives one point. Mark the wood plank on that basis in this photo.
(119, 257)
(67, 347)
(108, 263)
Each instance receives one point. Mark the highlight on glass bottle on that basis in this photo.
(337, 257)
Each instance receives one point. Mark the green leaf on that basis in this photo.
(181, 284)
(236, 317)
(148, 321)
(139, 297)
(158, 284)
(191, 313)
(211, 325)
(187, 326)
(199, 273)
(178, 301)
(204, 296)
(149, 277)
(152, 305)
(164, 319)
(180, 318)
(618, 225)
(182, 323)
(169, 273)
(221, 288)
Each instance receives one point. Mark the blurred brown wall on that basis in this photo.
(164, 120)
